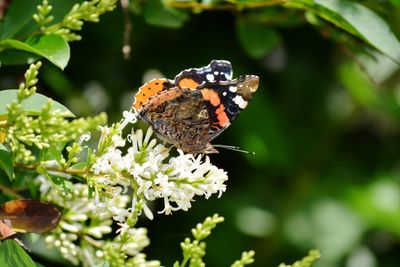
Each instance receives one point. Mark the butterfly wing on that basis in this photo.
(150, 89)
(179, 117)
(216, 71)
(225, 100)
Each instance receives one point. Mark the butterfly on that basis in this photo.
(197, 106)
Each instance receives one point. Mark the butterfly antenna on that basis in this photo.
(235, 148)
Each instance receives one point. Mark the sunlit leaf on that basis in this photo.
(356, 19)
(30, 215)
(60, 183)
(377, 66)
(33, 104)
(53, 47)
(369, 25)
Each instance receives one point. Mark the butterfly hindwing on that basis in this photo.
(226, 100)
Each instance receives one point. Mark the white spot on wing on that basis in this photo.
(238, 100)
(210, 77)
(224, 93)
(216, 72)
(233, 89)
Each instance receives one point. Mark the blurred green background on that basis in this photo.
(326, 135)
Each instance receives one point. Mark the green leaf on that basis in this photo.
(79, 166)
(54, 152)
(257, 39)
(12, 255)
(378, 212)
(53, 47)
(32, 105)
(6, 162)
(17, 57)
(356, 84)
(60, 183)
(156, 13)
(377, 66)
(356, 19)
(395, 2)
(369, 25)
(364, 92)
(18, 20)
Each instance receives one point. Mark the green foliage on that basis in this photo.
(247, 258)
(255, 26)
(307, 261)
(156, 13)
(267, 38)
(73, 20)
(50, 126)
(6, 163)
(51, 47)
(32, 105)
(357, 20)
(60, 183)
(38, 33)
(195, 250)
(12, 255)
(324, 125)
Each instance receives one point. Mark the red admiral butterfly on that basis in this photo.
(197, 106)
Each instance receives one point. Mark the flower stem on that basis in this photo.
(224, 6)
(184, 261)
(67, 171)
(10, 191)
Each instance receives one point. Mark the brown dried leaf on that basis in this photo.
(30, 215)
(5, 229)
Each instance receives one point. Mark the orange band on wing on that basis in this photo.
(212, 96)
(188, 83)
(223, 119)
(148, 90)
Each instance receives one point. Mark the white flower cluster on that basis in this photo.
(80, 234)
(148, 172)
(127, 174)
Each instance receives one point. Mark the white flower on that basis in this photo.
(152, 176)
(127, 175)
(129, 117)
(84, 138)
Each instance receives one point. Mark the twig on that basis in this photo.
(10, 191)
(68, 171)
(126, 46)
(222, 6)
